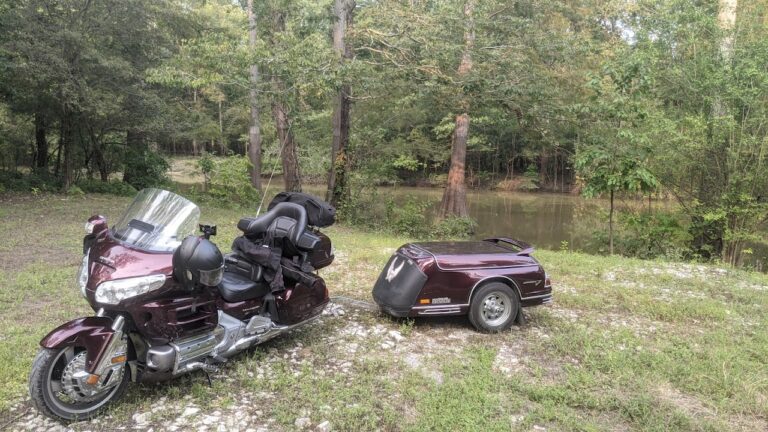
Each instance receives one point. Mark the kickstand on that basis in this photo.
(208, 376)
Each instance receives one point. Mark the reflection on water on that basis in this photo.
(545, 220)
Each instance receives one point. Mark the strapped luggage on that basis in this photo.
(319, 213)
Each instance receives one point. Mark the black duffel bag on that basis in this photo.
(319, 213)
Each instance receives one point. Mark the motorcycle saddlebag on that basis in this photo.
(319, 213)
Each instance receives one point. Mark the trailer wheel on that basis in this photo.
(494, 307)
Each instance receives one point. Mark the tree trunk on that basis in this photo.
(726, 19)
(337, 177)
(222, 144)
(610, 226)
(136, 146)
(454, 201)
(67, 144)
(288, 157)
(455, 196)
(98, 154)
(254, 132)
(291, 172)
(194, 137)
(41, 143)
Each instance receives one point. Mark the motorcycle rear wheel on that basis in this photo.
(49, 394)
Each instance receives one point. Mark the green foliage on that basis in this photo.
(695, 104)
(206, 165)
(530, 181)
(229, 181)
(653, 235)
(409, 216)
(406, 163)
(616, 97)
(606, 171)
(149, 169)
(75, 191)
(34, 181)
(113, 187)
(454, 227)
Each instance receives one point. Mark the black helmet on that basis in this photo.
(198, 261)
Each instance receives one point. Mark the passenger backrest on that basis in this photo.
(277, 222)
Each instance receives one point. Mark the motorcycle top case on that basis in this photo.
(319, 213)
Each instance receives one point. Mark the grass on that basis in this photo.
(627, 345)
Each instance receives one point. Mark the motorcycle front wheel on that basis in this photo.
(57, 393)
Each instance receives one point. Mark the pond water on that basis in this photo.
(545, 220)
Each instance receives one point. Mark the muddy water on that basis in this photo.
(545, 220)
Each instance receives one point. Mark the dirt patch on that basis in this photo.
(696, 409)
(19, 259)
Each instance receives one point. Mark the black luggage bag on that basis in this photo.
(319, 213)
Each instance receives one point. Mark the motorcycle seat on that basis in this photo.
(235, 288)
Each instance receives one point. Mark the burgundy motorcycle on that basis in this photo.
(168, 302)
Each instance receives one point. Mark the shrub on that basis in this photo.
(530, 180)
(646, 236)
(652, 235)
(145, 168)
(454, 227)
(409, 218)
(229, 181)
(36, 180)
(75, 191)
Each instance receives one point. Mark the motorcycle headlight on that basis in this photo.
(82, 274)
(115, 291)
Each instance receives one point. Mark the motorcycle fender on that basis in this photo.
(93, 333)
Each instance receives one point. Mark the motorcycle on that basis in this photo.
(168, 302)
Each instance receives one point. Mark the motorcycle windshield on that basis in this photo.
(157, 220)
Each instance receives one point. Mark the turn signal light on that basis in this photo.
(423, 301)
(119, 359)
(92, 380)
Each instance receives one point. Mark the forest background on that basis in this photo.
(648, 99)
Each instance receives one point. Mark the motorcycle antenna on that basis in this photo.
(274, 167)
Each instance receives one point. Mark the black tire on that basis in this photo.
(494, 307)
(47, 364)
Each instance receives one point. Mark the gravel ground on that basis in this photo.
(356, 336)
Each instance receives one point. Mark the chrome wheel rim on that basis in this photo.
(62, 391)
(496, 308)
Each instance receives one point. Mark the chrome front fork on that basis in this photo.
(113, 360)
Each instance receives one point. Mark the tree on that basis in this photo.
(707, 132)
(280, 112)
(454, 201)
(78, 67)
(254, 131)
(337, 178)
(612, 169)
